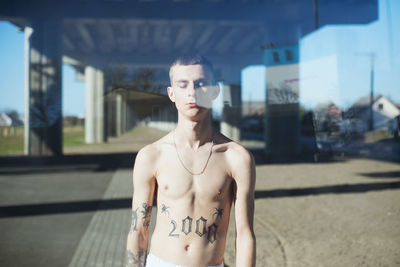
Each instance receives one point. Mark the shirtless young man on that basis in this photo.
(199, 174)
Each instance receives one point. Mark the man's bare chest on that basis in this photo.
(174, 180)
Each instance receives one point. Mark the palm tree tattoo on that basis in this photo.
(218, 212)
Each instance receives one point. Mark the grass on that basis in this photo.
(73, 136)
(14, 144)
(137, 130)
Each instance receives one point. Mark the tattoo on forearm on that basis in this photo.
(146, 214)
(201, 230)
(134, 220)
(136, 260)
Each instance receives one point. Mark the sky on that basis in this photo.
(335, 56)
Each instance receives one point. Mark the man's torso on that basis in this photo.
(192, 210)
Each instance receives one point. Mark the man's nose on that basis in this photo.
(191, 89)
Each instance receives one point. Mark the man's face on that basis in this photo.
(192, 89)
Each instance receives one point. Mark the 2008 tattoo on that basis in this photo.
(201, 227)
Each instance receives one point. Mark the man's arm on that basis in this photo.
(143, 193)
(244, 176)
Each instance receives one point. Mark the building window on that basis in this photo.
(380, 106)
(289, 55)
(276, 56)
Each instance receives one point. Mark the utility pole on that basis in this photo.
(371, 97)
(371, 86)
(316, 22)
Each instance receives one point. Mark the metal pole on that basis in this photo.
(371, 119)
(371, 97)
(316, 22)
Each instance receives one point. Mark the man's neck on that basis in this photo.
(193, 133)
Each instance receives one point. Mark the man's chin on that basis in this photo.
(203, 106)
(196, 113)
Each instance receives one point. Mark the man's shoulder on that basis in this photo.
(153, 150)
(239, 160)
(235, 152)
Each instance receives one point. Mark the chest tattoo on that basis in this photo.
(197, 226)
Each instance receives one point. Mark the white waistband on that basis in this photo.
(154, 261)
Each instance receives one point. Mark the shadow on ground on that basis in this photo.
(125, 203)
(66, 163)
(322, 190)
(64, 207)
(19, 165)
(390, 174)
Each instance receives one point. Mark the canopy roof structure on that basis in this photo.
(154, 32)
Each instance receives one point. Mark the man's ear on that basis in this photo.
(171, 93)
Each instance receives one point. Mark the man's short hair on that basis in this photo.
(192, 59)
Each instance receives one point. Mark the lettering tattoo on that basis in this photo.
(199, 223)
(146, 212)
(136, 260)
(212, 233)
(174, 226)
(201, 230)
(187, 229)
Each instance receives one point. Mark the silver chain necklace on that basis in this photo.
(180, 160)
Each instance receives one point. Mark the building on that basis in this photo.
(10, 119)
(357, 116)
(282, 126)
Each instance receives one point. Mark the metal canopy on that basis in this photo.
(291, 11)
(158, 42)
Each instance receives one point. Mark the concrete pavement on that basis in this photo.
(75, 211)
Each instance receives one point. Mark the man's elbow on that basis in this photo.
(246, 236)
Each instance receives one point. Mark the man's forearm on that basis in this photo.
(136, 247)
(136, 250)
(246, 250)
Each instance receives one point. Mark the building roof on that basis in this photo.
(365, 101)
(362, 105)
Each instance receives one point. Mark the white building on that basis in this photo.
(358, 115)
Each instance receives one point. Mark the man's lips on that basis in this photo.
(191, 105)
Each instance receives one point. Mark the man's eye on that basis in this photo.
(182, 85)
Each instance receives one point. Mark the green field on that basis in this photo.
(13, 143)
(11, 140)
